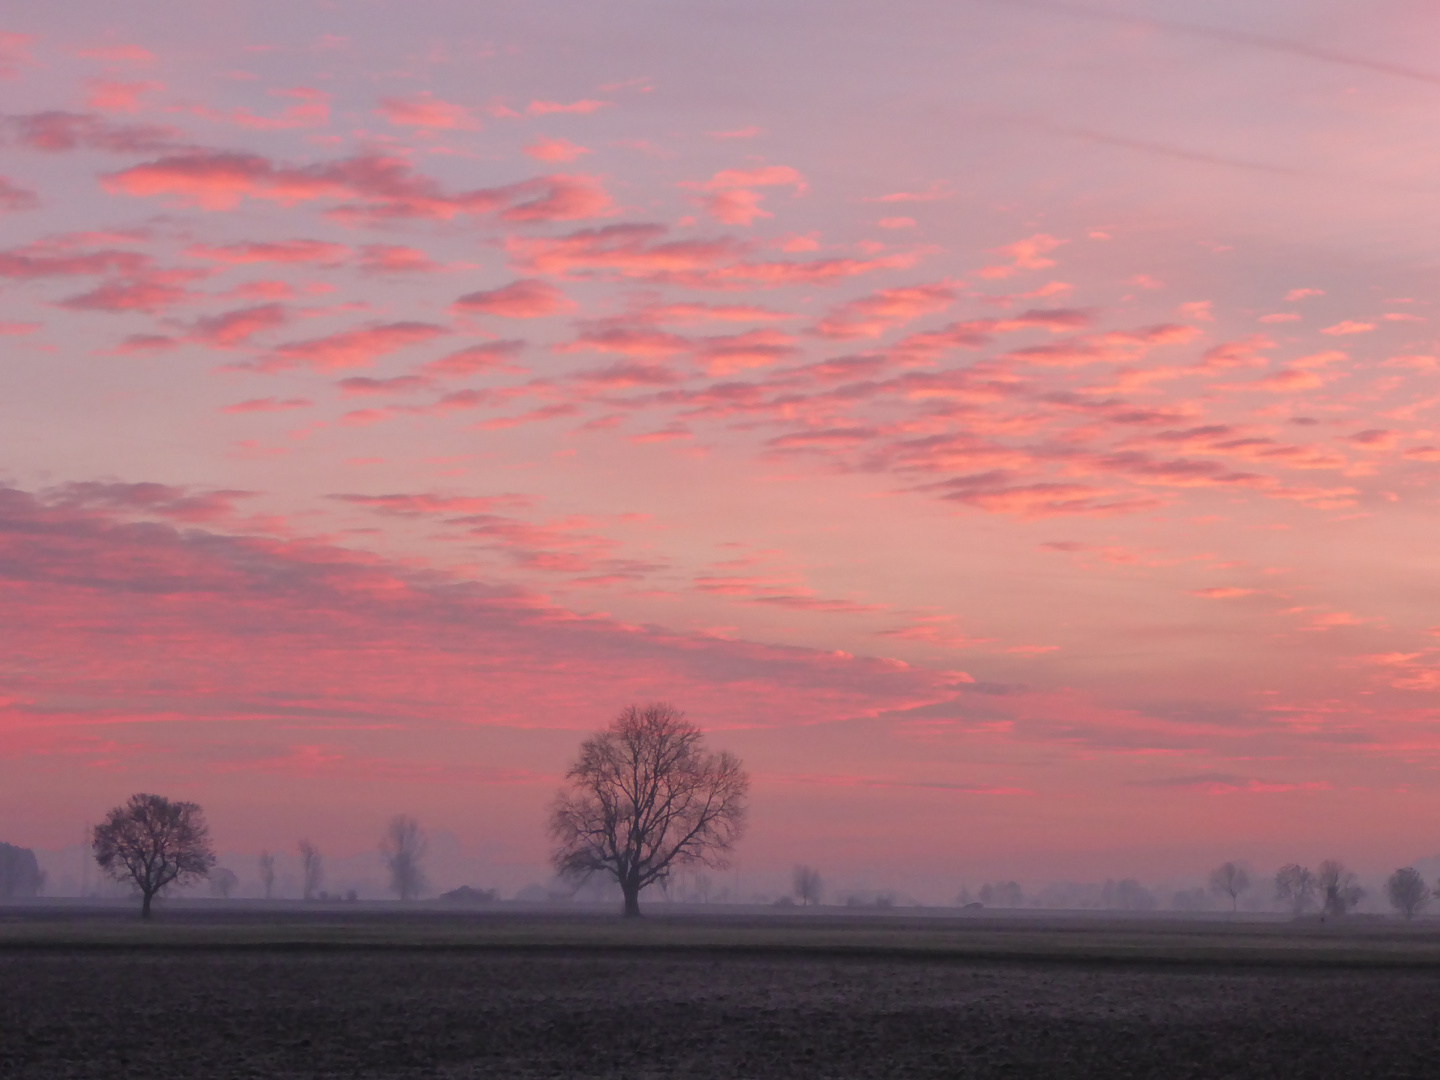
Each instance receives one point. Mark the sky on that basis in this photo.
(1010, 426)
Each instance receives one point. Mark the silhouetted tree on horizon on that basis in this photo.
(223, 882)
(1295, 884)
(312, 869)
(809, 886)
(646, 797)
(1230, 879)
(154, 842)
(20, 873)
(267, 873)
(1407, 891)
(1339, 888)
(402, 847)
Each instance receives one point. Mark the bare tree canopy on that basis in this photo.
(267, 873)
(1230, 879)
(402, 847)
(312, 869)
(20, 873)
(154, 842)
(1295, 884)
(1407, 891)
(808, 885)
(1339, 888)
(646, 798)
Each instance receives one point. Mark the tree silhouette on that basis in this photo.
(1407, 891)
(154, 842)
(402, 847)
(1296, 885)
(1230, 879)
(312, 869)
(808, 885)
(646, 797)
(1339, 888)
(267, 873)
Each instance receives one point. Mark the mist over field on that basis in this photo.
(1009, 429)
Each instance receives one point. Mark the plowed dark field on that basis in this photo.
(159, 1014)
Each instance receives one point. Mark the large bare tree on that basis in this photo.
(154, 842)
(402, 847)
(1230, 879)
(645, 797)
(267, 873)
(1407, 891)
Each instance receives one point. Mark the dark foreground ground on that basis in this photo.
(160, 1011)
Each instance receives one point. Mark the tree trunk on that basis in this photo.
(632, 898)
(145, 905)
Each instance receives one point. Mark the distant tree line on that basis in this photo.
(152, 844)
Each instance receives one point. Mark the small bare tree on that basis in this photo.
(808, 885)
(1407, 891)
(267, 873)
(153, 842)
(223, 882)
(646, 797)
(1295, 884)
(1230, 879)
(402, 847)
(1339, 888)
(312, 869)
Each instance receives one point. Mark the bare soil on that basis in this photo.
(219, 1013)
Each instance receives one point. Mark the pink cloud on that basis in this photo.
(871, 316)
(14, 198)
(492, 355)
(729, 195)
(268, 404)
(14, 53)
(559, 198)
(931, 194)
(425, 110)
(395, 259)
(237, 327)
(118, 54)
(159, 500)
(1301, 294)
(114, 95)
(550, 108)
(312, 110)
(1027, 254)
(387, 187)
(350, 348)
(556, 150)
(896, 223)
(626, 250)
(528, 298)
(628, 341)
(1348, 326)
(284, 251)
(151, 293)
(398, 384)
(56, 132)
(11, 329)
(728, 354)
(1223, 592)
